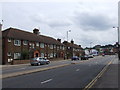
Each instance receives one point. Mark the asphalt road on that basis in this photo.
(29, 67)
(72, 76)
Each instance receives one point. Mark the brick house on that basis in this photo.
(19, 45)
(72, 49)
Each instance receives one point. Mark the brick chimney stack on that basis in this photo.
(59, 40)
(36, 31)
(72, 41)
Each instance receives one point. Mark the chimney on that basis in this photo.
(65, 42)
(59, 40)
(72, 41)
(36, 31)
(79, 45)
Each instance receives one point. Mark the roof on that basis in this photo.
(24, 35)
(72, 45)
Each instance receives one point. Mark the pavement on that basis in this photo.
(109, 79)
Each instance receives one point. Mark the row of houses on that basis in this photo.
(18, 46)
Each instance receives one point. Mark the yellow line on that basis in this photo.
(98, 76)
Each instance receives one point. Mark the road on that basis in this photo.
(71, 76)
(29, 67)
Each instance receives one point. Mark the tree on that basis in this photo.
(25, 54)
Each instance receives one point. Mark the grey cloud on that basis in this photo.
(88, 21)
(52, 22)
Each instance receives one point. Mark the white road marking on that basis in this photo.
(46, 81)
(77, 69)
(22, 68)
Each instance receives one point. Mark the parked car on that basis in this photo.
(75, 58)
(39, 61)
(90, 56)
(85, 57)
(103, 54)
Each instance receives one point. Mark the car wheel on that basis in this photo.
(39, 64)
(47, 62)
(32, 64)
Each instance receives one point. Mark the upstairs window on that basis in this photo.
(25, 42)
(54, 46)
(51, 46)
(9, 40)
(9, 54)
(42, 45)
(17, 42)
(63, 48)
(37, 44)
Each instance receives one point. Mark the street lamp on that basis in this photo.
(118, 42)
(90, 47)
(67, 34)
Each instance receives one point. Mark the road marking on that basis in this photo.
(77, 70)
(46, 81)
(97, 77)
(23, 68)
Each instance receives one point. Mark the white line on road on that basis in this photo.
(23, 68)
(77, 69)
(46, 81)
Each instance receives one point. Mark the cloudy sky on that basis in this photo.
(88, 20)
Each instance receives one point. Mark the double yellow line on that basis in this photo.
(97, 77)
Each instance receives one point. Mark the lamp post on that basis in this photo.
(118, 42)
(67, 34)
(90, 47)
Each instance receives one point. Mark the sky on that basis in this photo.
(90, 21)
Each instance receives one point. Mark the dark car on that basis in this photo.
(85, 57)
(75, 58)
(39, 61)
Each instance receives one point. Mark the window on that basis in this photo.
(25, 42)
(51, 46)
(63, 48)
(31, 45)
(17, 55)
(54, 46)
(51, 55)
(17, 42)
(54, 54)
(60, 47)
(37, 44)
(57, 47)
(9, 54)
(42, 54)
(42, 45)
(9, 40)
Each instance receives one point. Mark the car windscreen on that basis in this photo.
(34, 59)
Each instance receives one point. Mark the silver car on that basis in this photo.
(39, 61)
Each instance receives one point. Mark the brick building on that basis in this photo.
(19, 46)
(73, 49)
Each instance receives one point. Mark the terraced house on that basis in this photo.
(19, 46)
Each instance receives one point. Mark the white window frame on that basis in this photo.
(17, 44)
(18, 55)
(54, 46)
(51, 46)
(37, 44)
(25, 42)
(42, 54)
(9, 39)
(9, 54)
(42, 45)
(51, 55)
